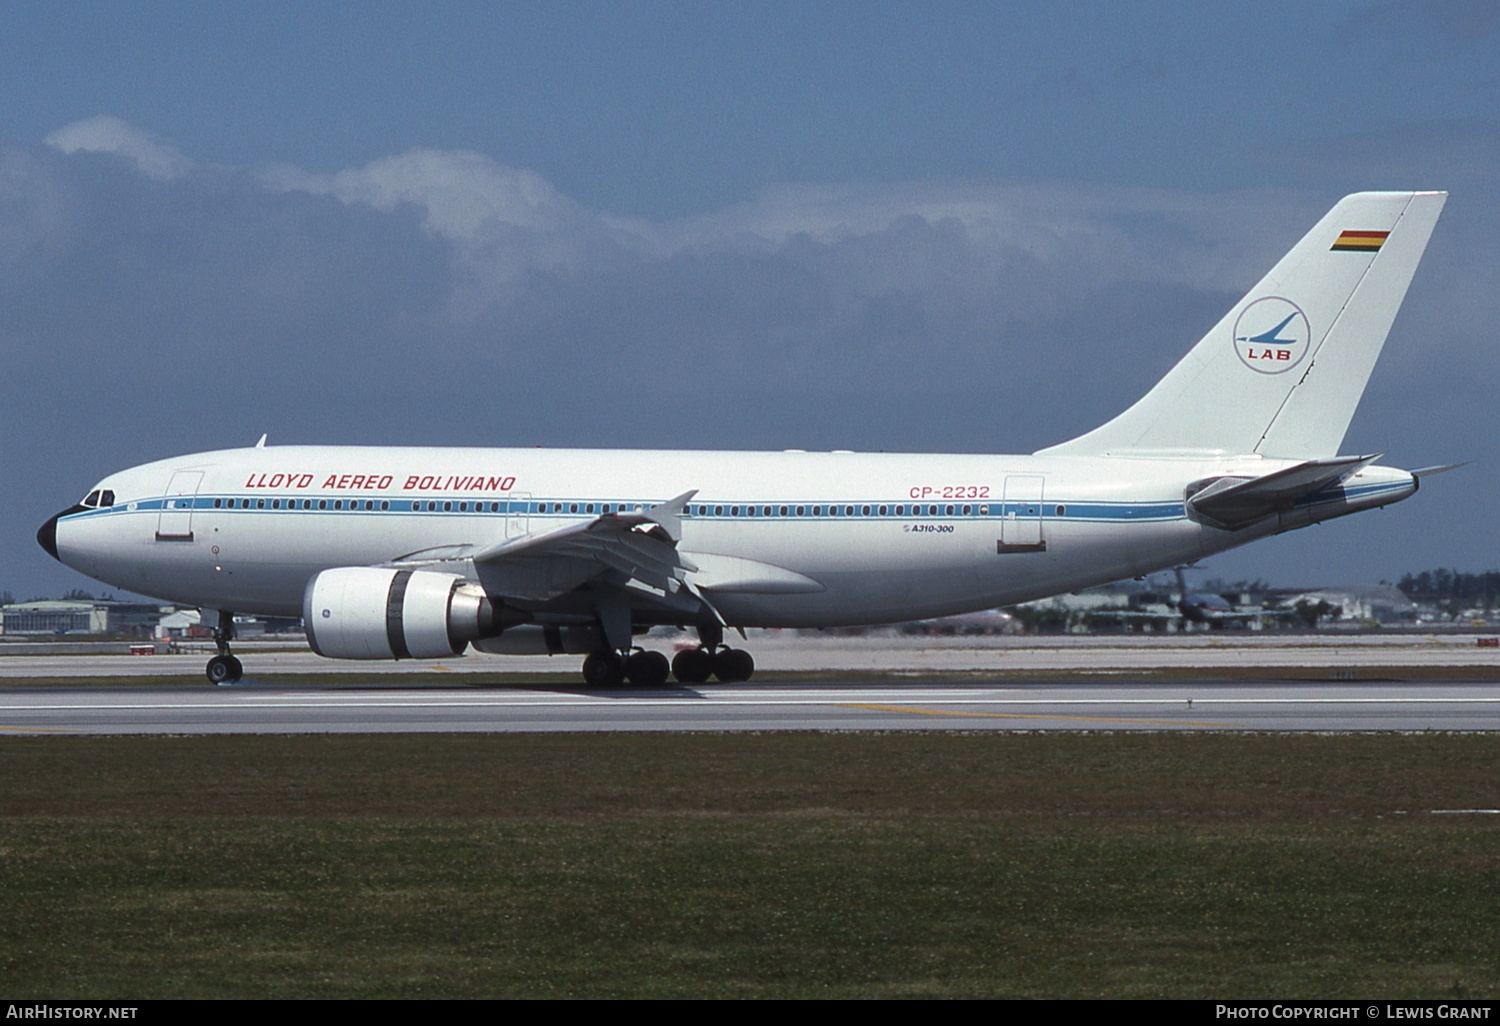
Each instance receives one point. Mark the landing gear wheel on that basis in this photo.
(647, 669)
(693, 665)
(603, 670)
(733, 665)
(224, 669)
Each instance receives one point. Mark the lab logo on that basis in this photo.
(1272, 335)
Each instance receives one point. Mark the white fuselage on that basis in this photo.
(855, 538)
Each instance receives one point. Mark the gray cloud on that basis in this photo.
(105, 134)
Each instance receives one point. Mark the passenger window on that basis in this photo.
(217, 503)
(322, 503)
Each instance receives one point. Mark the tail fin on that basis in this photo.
(1281, 374)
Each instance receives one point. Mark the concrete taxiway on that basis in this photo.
(1327, 654)
(348, 707)
(879, 682)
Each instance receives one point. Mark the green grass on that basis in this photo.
(774, 865)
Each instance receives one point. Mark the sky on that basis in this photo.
(938, 226)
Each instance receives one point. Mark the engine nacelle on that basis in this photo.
(363, 612)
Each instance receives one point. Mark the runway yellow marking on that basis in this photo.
(916, 711)
(5, 727)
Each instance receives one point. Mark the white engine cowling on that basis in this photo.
(364, 612)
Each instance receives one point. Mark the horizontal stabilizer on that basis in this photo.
(1235, 502)
(1443, 469)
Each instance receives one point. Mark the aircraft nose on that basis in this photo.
(46, 535)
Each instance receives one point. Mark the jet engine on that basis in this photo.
(363, 612)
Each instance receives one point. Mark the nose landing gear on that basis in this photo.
(224, 668)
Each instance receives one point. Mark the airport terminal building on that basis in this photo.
(79, 616)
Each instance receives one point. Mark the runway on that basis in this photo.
(345, 707)
(875, 654)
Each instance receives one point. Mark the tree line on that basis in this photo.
(1480, 590)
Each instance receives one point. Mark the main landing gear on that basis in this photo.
(642, 668)
(696, 665)
(224, 668)
(645, 669)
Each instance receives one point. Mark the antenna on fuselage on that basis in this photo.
(262, 443)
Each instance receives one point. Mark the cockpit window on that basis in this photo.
(91, 500)
(106, 498)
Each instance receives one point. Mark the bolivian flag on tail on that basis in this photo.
(1359, 242)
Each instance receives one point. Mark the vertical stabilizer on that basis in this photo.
(1282, 373)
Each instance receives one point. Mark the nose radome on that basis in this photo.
(46, 535)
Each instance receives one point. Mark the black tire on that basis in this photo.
(647, 669)
(603, 670)
(224, 669)
(733, 665)
(693, 665)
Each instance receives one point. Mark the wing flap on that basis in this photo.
(634, 545)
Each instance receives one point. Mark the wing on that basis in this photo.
(634, 549)
(624, 556)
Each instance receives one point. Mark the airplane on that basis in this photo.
(395, 553)
(1209, 608)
